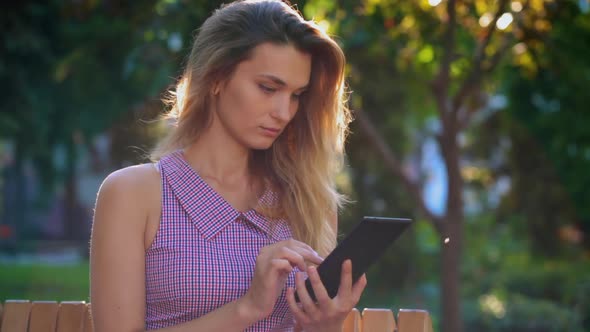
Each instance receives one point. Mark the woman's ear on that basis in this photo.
(216, 88)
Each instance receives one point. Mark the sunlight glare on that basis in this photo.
(324, 26)
(180, 95)
(504, 21)
(519, 48)
(485, 20)
(492, 304)
(516, 6)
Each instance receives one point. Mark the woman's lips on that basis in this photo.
(271, 132)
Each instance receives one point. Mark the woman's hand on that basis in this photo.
(327, 314)
(273, 266)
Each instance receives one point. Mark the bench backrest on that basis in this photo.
(68, 316)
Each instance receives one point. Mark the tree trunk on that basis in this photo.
(450, 278)
(452, 237)
(71, 221)
(15, 202)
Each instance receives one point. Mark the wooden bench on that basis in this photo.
(67, 316)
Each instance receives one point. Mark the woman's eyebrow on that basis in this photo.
(280, 81)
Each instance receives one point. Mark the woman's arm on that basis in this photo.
(117, 255)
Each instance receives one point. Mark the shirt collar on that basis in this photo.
(209, 212)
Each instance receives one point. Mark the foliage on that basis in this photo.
(69, 71)
(44, 282)
(508, 288)
(547, 106)
(521, 314)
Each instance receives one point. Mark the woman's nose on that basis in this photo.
(282, 108)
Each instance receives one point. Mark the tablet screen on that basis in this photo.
(363, 246)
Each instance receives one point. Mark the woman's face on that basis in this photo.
(257, 102)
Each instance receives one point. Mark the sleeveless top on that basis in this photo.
(204, 251)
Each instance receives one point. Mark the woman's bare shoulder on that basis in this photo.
(134, 178)
(134, 186)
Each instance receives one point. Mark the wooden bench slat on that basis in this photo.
(378, 320)
(414, 321)
(43, 316)
(70, 317)
(16, 316)
(352, 322)
(75, 316)
(88, 326)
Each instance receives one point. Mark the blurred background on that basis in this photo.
(472, 117)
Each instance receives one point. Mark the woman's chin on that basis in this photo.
(261, 145)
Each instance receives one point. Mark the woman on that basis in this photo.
(217, 234)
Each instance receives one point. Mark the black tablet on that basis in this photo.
(363, 246)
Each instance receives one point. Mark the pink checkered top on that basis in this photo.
(204, 252)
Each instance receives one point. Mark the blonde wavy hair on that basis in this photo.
(302, 164)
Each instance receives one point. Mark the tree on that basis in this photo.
(551, 112)
(447, 54)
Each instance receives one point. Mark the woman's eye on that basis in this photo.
(298, 96)
(266, 88)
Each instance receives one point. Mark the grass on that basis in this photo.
(44, 282)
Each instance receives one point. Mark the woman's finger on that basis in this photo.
(319, 289)
(296, 310)
(301, 247)
(345, 288)
(359, 287)
(293, 257)
(311, 256)
(292, 243)
(281, 265)
(309, 307)
(299, 255)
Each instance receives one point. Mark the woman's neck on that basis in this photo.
(218, 156)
